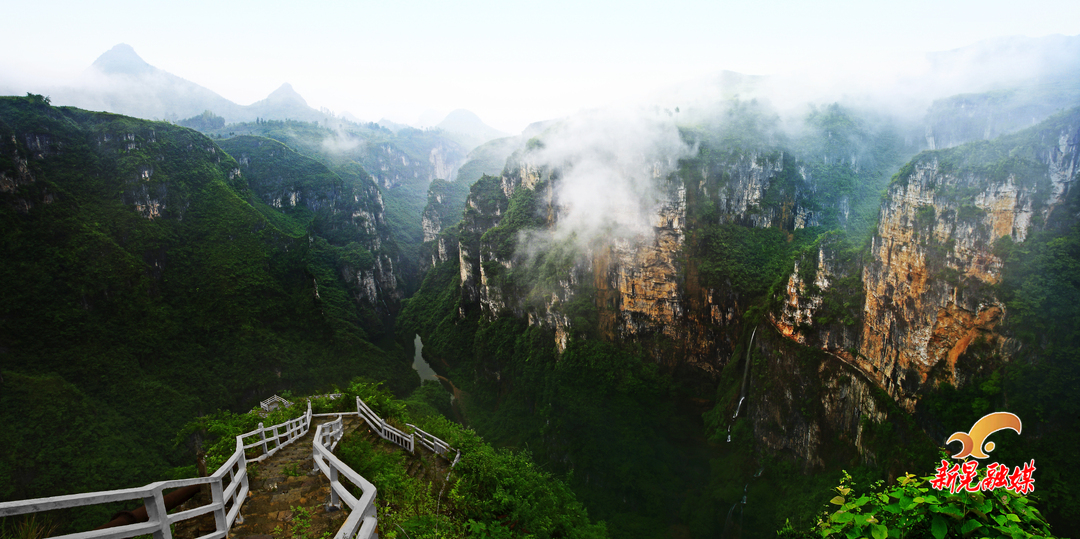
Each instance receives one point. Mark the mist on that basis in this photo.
(609, 164)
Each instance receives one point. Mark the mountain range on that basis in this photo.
(121, 81)
(703, 317)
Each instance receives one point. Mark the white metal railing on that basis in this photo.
(272, 403)
(363, 517)
(429, 441)
(229, 484)
(228, 489)
(382, 428)
(436, 445)
(293, 429)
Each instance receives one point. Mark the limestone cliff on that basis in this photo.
(644, 287)
(444, 206)
(930, 272)
(343, 211)
(393, 166)
(851, 330)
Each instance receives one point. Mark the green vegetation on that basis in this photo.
(1033, 378)
(300, 194)
(32, 526)
(301, 524)
(401, 164)
(207, 121)
(488, 158)
(147, 282)
(491, 493)
(573, 407)
(749, 260)
(143, 288)
(969, 117)
(850, 156)
(910, 508)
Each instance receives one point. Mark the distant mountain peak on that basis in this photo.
(122, 59)
(286, 94)
(471, 129)
(462, 115)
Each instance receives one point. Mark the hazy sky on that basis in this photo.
(510, 62)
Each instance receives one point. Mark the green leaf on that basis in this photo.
(947, 510)
(842, 517)
(970, 525)
(938, 527)
(1012, 517)
(838, 500)
(918, 499)
(879, 531)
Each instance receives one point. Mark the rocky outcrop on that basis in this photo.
(645, 287)
(344, 211)
(394, 167)
(810, 404)
(851, 331)
(443, 210)
(928, 280)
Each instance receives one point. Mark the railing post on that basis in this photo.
(262, 431)
(155, 512)
(237, 499)
(217, 497)
(335, 500)
(371, 510)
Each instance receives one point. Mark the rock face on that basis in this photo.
(393, 167)
(345, 211)
(643, 287)
(928, 282)
(808, 404)
(881, 325)
(445, 203)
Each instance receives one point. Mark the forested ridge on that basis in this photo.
(148, 285)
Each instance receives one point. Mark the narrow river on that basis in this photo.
(419, 365)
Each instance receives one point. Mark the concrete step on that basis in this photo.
(286, 496)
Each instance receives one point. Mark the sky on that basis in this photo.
(512, 63)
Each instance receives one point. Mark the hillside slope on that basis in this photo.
(147, 283)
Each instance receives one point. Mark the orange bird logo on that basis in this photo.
(975, 440)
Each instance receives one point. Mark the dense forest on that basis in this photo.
(149, 284)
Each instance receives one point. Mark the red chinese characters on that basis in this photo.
(957, 477)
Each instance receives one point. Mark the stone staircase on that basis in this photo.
(287, 497)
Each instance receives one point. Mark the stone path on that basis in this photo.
(287, 497)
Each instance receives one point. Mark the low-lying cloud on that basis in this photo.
(609, 165)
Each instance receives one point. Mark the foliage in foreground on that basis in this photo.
(911, 509)
(491, 493)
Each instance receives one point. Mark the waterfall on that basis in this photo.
(741, 504)
(746, 373)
